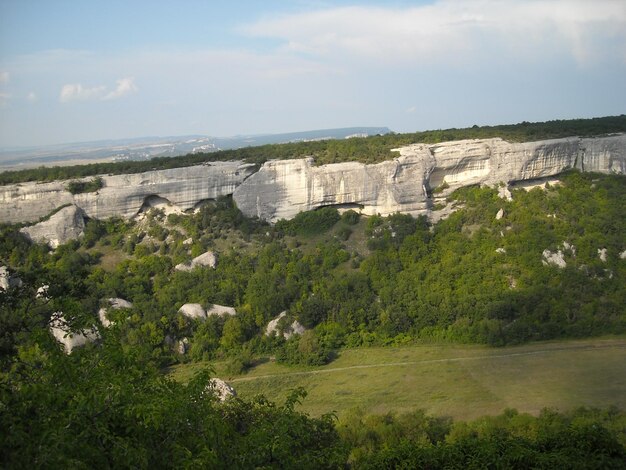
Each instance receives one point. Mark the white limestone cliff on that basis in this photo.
(124, 195)
(282, 189)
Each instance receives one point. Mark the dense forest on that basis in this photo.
(352, 281)
(372, 149)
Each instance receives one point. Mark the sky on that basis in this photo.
(74, 71)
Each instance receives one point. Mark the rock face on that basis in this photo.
(281, 189)
(294, 329)
(69, 339)
(553, 259)
(115, 304)
(67, 224)
(124, 195)
(205, 259)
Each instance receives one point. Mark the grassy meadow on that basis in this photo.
(464, 382)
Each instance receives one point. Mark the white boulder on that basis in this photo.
(553, 259)
(114, 303)
(221, 389)
(220, 310)
(194, 311)
(500, 214)
(69, 339)
(602, 254)
(206, 259)
(295, 328)
(67, 224)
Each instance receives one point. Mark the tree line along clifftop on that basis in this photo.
(371, 149)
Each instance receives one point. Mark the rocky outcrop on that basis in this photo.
(115, 304)
(124, 195)
(280, 189)
(63, 226)
(205, 259)
(295, 328)
(221, 389)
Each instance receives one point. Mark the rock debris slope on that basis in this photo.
(282, 188)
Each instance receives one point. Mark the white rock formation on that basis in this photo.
(67, 224)
(220, 310)
(7, 281)
(294, 329)
(622, 255)
(206, 259)
(602, 252)
(553, 259)
(501, 251)
(4, 278)
(500, 214)
(69, 339)
(221, 389)
(183, 346)
(281, 189)
(504, 193)
(115, 304)
(194, 311)
(124, 195)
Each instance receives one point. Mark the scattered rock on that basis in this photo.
(183, 346)
(7, 281)
(67, 224)
(622, 255)
(189, 241)
(602, 254)
(554, 259)
(501, 251)
(69, 339)
(504, 193)
(194, 311)
(114, 303)
(500, 214)
(294, 329)
(221, 389)
(220, 310)
(205, 259)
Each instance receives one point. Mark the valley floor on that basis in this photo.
(463, 382)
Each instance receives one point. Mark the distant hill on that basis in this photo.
(145, 148)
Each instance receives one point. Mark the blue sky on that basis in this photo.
(80, 70)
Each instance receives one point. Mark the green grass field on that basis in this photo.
(463, 382)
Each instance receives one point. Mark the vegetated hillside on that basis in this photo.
(368, 150)
(353, 281)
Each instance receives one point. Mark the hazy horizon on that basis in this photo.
(74, 72)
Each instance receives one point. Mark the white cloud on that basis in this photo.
(4, 76)
(32, 97)
(454, 30)
(76, 92)
(125, 86)
(410, 110)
